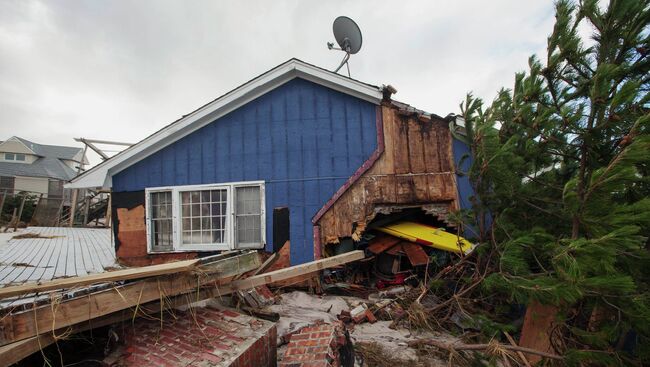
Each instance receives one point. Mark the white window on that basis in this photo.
(206, 217)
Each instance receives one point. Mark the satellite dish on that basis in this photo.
(348, 36)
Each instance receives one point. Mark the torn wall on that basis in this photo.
(416, 168)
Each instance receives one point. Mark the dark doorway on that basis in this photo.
(280, 227)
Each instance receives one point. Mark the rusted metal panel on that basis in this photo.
(416, 168)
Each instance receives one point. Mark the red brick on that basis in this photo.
(307, 343)
(296, 350)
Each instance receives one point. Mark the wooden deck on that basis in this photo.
(59, 252)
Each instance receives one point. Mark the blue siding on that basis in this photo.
(464, 160)
(302, 139)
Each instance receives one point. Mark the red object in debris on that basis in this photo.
(371, 317)
(398, 279)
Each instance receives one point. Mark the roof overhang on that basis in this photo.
(100, 176)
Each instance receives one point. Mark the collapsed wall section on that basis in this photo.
(415, 169)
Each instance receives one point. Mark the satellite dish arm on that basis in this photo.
(345, 60)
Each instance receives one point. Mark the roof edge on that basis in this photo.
(101, 174)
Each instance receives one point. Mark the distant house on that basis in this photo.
(37, 168)
(297, 155)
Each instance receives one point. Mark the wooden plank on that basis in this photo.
(396, 250)
(15, 327)
(126, 274)
(415, 253)
(268, 263)
(294, 271)
(15, 352)
(382, 243)
(416, 146)
(536, 331)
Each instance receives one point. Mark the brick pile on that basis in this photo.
(201, 337)
(315, 346)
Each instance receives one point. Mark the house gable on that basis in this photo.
(101, 175)
(302, 139)
(14, 145)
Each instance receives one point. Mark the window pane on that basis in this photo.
(161, 220)
(205, 210)
(203, 217)
(20, 157)
(248, 215)
(10, 156)
(205, 196)
(185, 197)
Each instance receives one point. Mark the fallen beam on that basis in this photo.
(19, 350)
(15, 352)
(112, 276)
(57, 315)
(480, 347)
(292, 272)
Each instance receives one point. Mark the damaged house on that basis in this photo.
(298, 155)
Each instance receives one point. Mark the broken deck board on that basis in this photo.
(17, 351)
(18, 326)
(14, 352)
(124, 274)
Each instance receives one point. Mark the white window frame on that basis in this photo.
(230, 234)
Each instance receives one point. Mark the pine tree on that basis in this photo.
(561, 166)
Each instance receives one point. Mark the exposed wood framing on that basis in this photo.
(126, 274)
(48, 318)
(416, 167)
(15, 327)
(16, 351)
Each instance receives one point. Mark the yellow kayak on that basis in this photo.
(429, 236)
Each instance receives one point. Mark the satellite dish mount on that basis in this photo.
(348, 36)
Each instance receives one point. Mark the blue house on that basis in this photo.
(281, 159)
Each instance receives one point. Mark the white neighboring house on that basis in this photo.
(38, 168)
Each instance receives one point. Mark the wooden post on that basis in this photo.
(2, 202)
(38, 203)
(86, 207)
(13, 218)
(73, 206)
(108, 210)
(536, 331)
(58, 213)
(20, 212)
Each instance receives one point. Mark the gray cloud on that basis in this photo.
(120, 70)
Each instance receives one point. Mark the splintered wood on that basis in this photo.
(416, 167)
(60, 314)
(210, 279)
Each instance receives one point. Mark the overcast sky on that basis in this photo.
(120, 70)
